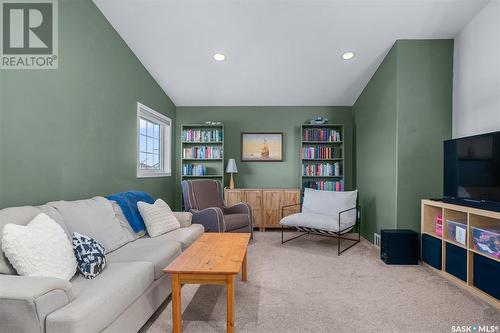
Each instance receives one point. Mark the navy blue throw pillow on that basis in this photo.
(90, 255)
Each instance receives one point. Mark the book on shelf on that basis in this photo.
(325, 185)
(321, 169)
(321, 134)
(194, 170)
(202, 152)
(202, 135)
(321, 152)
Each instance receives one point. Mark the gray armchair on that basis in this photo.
(203, 198)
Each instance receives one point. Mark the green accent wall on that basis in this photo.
(288, 120)
(375, 128)
(425, 98)
(401, 119)
(70, 133)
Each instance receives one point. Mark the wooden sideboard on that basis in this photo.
(266, 203)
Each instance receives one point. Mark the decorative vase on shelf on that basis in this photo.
(318, 121)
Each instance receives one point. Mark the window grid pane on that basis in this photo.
(143, 126)
(149, 145)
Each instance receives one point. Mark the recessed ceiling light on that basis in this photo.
(348, 55)
(219, 57)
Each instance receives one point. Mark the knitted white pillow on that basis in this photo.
(40, 248)
(158, 217)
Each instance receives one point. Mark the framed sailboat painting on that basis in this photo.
(262, 147)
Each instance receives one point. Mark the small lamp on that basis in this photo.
(231, 168)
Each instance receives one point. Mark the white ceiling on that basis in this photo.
(278, 52)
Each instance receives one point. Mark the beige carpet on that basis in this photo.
(303, 286)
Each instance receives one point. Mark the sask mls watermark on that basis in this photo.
(474, 329)
(29, 34)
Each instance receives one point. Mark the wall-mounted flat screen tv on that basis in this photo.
(472, 171)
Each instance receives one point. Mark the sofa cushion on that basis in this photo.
(236, 221)
(158, 217)
(95, 218)
(40, 248)
(90, 255)
(128, 203)
(185, 236)
(99, 301)
(131, 234)
(184, 218)
(147, 249)
(22, 216)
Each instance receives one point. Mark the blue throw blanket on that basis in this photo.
(128, 203)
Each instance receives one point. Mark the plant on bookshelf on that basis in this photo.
(322, 157)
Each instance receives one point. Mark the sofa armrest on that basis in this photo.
(26, 301)
(211, 218)
(184, 218)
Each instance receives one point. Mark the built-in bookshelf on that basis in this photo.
(202, 151)
(322, 157)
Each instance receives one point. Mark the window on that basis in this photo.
(153, 143)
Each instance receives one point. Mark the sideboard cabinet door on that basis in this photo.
(232, 197)
(272, 207)
(291, 197)
(254, 199)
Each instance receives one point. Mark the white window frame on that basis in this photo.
(165, 142)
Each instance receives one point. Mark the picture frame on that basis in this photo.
(262, 146)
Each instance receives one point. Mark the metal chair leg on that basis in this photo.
(338, 246)
(284, 241)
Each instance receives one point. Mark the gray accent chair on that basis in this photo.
(203, 198)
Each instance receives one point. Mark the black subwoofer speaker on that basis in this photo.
(399, 247)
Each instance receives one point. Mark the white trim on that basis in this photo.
(166, 142)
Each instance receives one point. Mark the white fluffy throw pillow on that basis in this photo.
(40, 248)
(158, 217)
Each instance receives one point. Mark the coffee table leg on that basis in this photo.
(230, 303)
(176, 304)
(244, 268)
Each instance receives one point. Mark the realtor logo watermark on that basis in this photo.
(29, 34)
(474, 329)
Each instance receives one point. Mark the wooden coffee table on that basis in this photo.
(214, 258)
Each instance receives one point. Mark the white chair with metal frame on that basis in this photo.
(325, 213)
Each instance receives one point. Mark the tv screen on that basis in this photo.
(472, 171)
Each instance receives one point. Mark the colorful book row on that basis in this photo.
(202, 135)
(202, 152)
(321, 152)
(321, 169)
(325, 185)
(194, 170)
(321, 134)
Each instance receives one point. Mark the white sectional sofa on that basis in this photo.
(121, 299)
